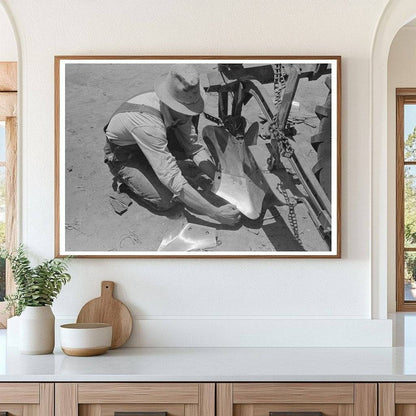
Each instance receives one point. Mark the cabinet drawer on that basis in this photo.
(397, 399)
(138, 393)
(153, 399)
(297, 399)
(22, 399)
(19, 393)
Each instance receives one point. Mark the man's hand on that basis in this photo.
(228, 214)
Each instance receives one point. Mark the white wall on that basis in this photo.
(8, 47)
(401, 74)
(179, 302)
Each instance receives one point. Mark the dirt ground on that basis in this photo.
(93, 93)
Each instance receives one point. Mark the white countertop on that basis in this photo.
(214, 364)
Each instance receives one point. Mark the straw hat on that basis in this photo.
(180, 90)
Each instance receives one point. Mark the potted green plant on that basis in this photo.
(36, 289)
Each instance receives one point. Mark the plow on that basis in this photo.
(263, 160)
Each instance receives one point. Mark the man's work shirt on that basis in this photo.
(148, 131)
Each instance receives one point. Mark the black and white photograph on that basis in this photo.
(198, 157)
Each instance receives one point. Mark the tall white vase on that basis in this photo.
(37, 330)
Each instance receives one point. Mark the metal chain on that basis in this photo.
(215, 120)
(293, 221)
(284, 148)
(279, 84)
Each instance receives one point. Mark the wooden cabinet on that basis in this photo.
(397, 399)
(27, 399)
(208, 399)
(106, 399)
(297, 399)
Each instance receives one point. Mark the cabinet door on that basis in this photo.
(297, 399)
(397, 399)
(26, 399)
(145, 399)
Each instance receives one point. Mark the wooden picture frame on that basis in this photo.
(296, 165)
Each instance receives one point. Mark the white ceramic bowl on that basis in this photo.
(83, 340)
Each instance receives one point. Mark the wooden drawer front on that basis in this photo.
(293, 393)
(405, 393)
(138, 393)
(27, 399)
(397, 399)
(110, 409)
(265, 409)
(12, 409)
(19, 393)
(331, 399)
(104, 399)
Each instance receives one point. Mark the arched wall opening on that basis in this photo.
(397, 14)
(401, 73)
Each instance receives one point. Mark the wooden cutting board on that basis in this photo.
(107, 309)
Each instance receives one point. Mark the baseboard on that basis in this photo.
(247, 332)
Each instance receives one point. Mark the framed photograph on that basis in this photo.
(198, 156)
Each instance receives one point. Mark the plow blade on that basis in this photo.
(238, 179)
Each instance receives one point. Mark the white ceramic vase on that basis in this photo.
(37, 330)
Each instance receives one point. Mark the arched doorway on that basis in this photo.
(396, 14)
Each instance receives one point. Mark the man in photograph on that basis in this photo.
(144, 132)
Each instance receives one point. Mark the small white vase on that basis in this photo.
(37, 330)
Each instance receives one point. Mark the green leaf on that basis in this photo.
(35, 286)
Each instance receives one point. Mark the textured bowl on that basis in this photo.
(84, 340)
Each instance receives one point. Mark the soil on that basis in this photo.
(92, 93)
